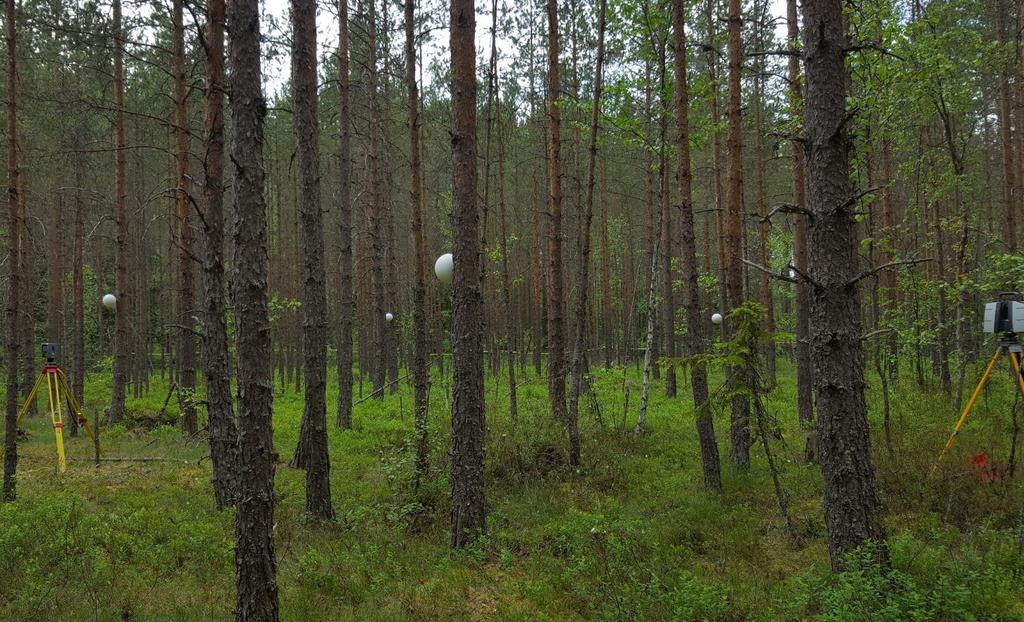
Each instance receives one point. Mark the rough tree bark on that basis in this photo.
(556, 321)
(78, 297)
(767, 297)
(14, 228)
(1006, 139)
(390, 341)
(55, 273)
(121, 317)
(186, 283)
(851, 504)
(421, 347)
(804, 373)
(378, 371)
(255, 560)
(345, 298)
(468, 511)
(579, 355)
(712, 58)
(506, 278)
(216, 359)
(695, 322)
(311, 452)
(607, 328)
(739, 447)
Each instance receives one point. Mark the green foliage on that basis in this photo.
(604, 567)
(923, 583)
(631, 535)
(143, 418)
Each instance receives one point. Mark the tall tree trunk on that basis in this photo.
(345, 298)
(739, 449)
(851, 505)
(379, 366)
(556, 323)
(391, 329)
(579, 358)
(186, 284)
(216, 359)
(311, 453)
(652, 305)
(14, 228)
(121, 317)
(942, 349)
(667, 243)
(716, 122)
(607, 316)
(78, 297)
(468, 510)
(255, 560)
(695, 322)
(767, 298)
(420, 365)
(653, 215)
(506, 278)
(804, 373)
(1006, 139)
(55, 274)
(27, 315)
(537, 277)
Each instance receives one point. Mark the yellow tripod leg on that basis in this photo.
(967, 409)
(56, 416)
(76, 408)
(31, 396)
(1015, 362)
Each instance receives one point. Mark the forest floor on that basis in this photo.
(631, 535)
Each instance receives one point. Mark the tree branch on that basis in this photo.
(892, 264)
(875, 333)
(873, 45)
(777, 275)
(774, 53)
(188, 328)
(787, 208)
(860, 195)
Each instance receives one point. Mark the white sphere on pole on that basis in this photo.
(110, 301)
(389, 316)
(444, 268)
(716, 318)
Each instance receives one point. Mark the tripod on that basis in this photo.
(57, 390)
(1009, 346)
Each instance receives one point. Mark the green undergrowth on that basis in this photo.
(631, 535)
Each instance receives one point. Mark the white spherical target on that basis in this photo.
(110, 301)
(444, 268)
(389, 316)
(716, 318)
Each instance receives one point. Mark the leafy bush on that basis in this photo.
(143, 418)
(924, 581)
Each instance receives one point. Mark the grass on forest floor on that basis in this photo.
(631, 535)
